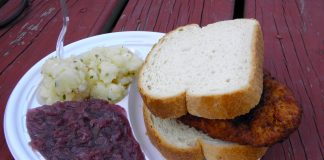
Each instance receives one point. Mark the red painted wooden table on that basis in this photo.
(293, 34)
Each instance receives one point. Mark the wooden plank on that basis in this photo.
(165, 15)
(8, 9)
(34, 36)
(294, 53)
(20, 35)
(217, 11)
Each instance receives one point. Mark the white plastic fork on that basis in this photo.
(60, 40)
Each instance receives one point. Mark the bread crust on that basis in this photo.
(202, 150)
(225, 106)
(170, 151)
(172, 107)
(166, 107)
(231, 152)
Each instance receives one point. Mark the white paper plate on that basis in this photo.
(23, 96)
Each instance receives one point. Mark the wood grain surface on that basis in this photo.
(292, 29)
(166, 15)
(33, 35)
(294, 53)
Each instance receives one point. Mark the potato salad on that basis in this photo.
(103, 72)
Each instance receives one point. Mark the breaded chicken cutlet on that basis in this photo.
(275, 117)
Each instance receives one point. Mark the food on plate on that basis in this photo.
(103, 72)
(213, 72)
(206, 97)
(177, 141)
(272, 120)
(87, 130)
(63, 79)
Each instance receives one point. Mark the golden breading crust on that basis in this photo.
(272, 120)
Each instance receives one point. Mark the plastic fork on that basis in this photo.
(60, 40)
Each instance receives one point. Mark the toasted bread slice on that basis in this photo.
(213, 72)
(177, 141)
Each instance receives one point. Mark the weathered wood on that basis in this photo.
(294, 48)
(8, 10)
(217, 11)
(165, 15)
(294, 53)
(34, 36)
(19, 36)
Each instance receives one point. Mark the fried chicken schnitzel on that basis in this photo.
(275, 117)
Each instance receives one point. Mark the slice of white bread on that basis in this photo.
(213, 72)
(177, 141)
